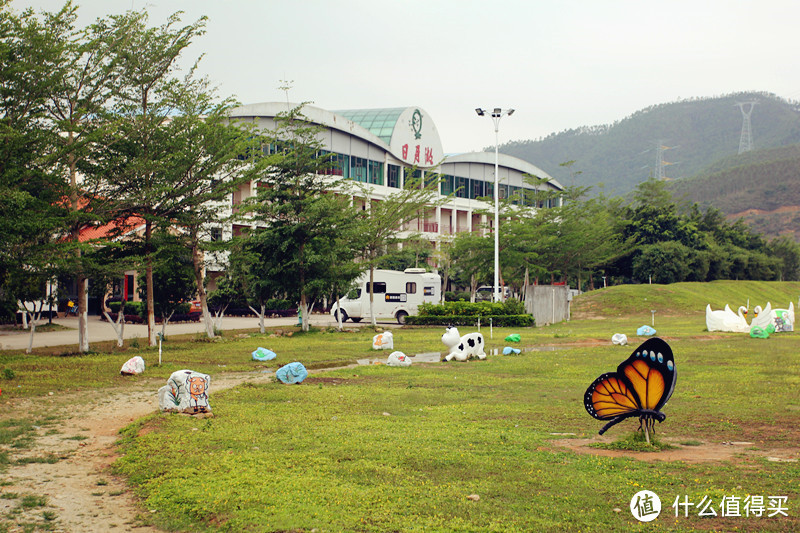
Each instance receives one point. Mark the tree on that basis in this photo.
(141, 166)
(383, 220)
(30, 192)
(300, 220)
(82, 86)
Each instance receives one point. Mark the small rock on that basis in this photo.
(781, 460)
(617, 510)
(473, 497)
(387, 414)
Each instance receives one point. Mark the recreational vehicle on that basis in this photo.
(396, 295)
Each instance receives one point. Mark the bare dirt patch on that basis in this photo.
(701, 453)
(80, 491)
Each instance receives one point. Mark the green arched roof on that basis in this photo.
(379, 122)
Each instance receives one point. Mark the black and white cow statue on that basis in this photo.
(463, 348)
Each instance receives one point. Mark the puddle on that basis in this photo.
(436, 357)
(427, 357)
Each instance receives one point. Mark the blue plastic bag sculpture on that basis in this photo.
(292, 373)
(645, 331)
(508, 350)
(262, 354)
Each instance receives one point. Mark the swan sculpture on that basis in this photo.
(780, 319)
(727, 320)
(762, 317)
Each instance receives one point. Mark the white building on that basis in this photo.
(379, 146)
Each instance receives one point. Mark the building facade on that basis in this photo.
(381, 147)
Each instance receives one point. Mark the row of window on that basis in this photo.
(369, 171)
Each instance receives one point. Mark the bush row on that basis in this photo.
(513, 321)
(137, 319)
(509, 307)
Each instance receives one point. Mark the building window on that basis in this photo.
(375, 172)
(216, 234)
(462, 187)
(477, 189)
(393, 179)
(447, 185)
(358, 169)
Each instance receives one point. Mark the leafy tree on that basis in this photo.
(143, 162)
(300, 220)
(384, 219)
(30, 192)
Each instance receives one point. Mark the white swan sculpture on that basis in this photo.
(781, 319)
(727, 320)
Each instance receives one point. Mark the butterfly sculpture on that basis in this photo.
(640, 387)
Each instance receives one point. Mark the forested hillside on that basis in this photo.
(762, 186)
(696, 134)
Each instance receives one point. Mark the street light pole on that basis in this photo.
(496, 115)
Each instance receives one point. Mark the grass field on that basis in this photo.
(497, 445)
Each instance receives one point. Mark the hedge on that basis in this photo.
(511, 321)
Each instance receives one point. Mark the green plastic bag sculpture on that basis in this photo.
(514, 337)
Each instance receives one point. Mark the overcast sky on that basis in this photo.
(559, 63)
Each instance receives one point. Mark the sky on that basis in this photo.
(560, 64)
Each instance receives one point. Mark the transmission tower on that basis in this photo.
(660, 163)
(746, 140)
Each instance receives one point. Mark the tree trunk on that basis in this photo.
(151, 315)
(197, 263)
(372, 296)
(339, 311)
(119, 326)
(260, 315)
(83, 313)
(305, 312)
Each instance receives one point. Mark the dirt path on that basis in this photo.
(82, 496)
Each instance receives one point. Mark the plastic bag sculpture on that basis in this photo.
(292, 373)
(383, 341)
(619, 338)
(262, 354)
(398, 359)
(645, 331)
(134, 365)
(514, 337)
(186, 391)
(640, 387)
(463, 348)
(508, 350)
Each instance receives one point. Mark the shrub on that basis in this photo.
(515, 321)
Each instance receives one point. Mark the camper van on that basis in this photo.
(396, 295)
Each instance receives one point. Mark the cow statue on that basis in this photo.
(463, 348)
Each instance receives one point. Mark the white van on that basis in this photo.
(396, 295)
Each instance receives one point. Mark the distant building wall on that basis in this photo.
(548, 303)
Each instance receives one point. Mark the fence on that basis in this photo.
(548, 303)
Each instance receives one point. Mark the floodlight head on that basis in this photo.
(480, 111)
(510, 112)
(497, 110)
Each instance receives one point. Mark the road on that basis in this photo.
(99, 330)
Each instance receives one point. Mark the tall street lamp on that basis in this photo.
(496, 115)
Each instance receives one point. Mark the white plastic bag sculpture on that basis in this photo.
(383, 341)
(398, 359)
(619, 338)
(186, 391)
(134, 365)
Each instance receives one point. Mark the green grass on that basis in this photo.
(384, 449)
(374, 448)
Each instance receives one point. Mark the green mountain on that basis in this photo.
(762, 187)
(693, 135)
